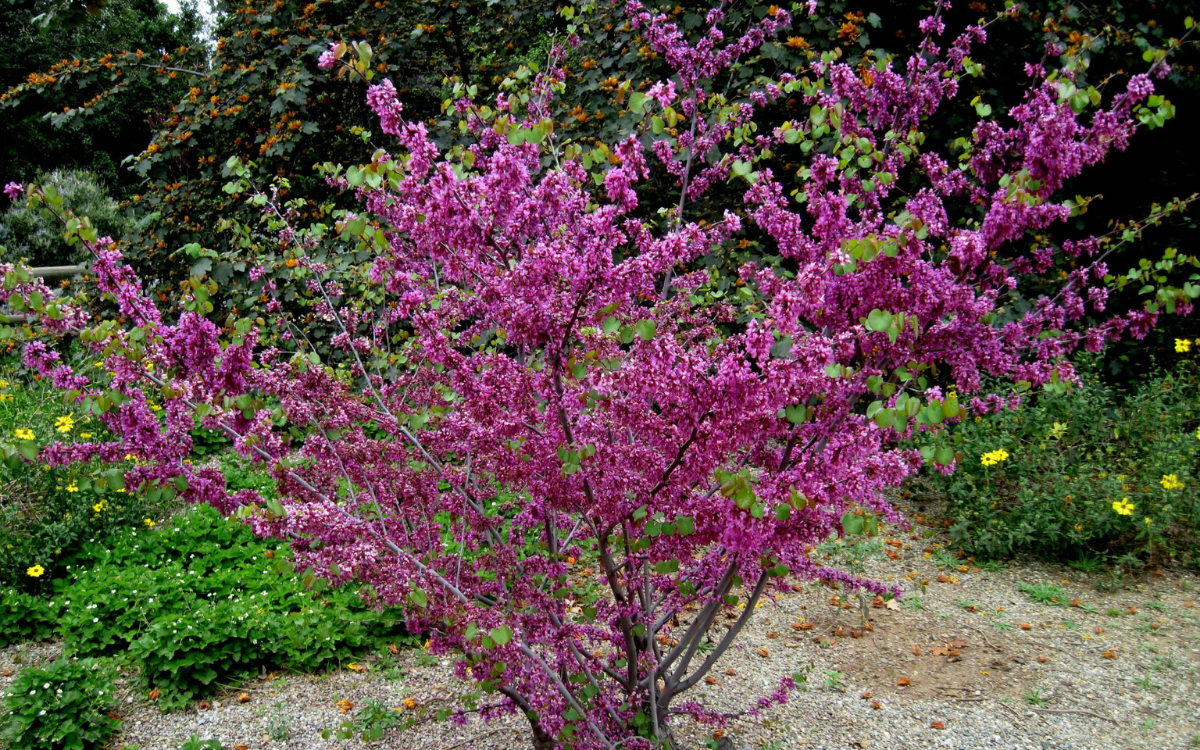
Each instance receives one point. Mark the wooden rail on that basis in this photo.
(57, 272)
(46, 272)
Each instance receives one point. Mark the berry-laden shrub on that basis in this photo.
(1087, 471)
(546, 369)
(66, 705)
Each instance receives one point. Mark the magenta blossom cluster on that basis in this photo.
(565, 445)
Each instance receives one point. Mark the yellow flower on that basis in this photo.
(1170, 482)
(994, 457)
(72, 487)
(1147, 520)
(5, 397)
(1123, 507)
(148, 522)
(98, 506)
(3, 383)
(35, 571)
(23, 434)
(85, 435)
(65, 424)
(1182, 345)
(155, 407)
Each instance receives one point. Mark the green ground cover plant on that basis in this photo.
(66, 705)
(202, 600)
(48, 513)
(188, 603)
(24, 617)
(1083, 475)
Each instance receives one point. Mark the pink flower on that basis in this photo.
(328, 58)
(13, 190)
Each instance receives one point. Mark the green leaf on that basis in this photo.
(852, 524)
(782, 348)
(501, 635)
(878, 320)
(637, 102)
(645, 329)
(28, 449)
(686, 524)
(783, 512)
(418, 598)
(610, 324)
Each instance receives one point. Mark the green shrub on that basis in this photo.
(1089, 470)
(24, 617)
(47, 514)
(36, 235)
(241, 474)
(200, 600)
(63, 706)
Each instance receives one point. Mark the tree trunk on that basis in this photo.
(541, 740)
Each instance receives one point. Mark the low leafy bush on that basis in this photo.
(241, 474)
(63, 706)
(24, 617)
(203, 599)
(48, 513)
(37, 235)
(1089, 470)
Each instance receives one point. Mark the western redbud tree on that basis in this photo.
(557, 373)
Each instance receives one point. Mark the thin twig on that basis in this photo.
(1010, 708)
(984, 636)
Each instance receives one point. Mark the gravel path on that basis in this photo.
(970, 663)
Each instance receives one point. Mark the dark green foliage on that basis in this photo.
(1071, 457)
(29, 144)
(62, 706)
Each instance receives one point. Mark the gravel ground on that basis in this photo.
(970, 663)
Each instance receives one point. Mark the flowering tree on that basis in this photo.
(554, 372)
